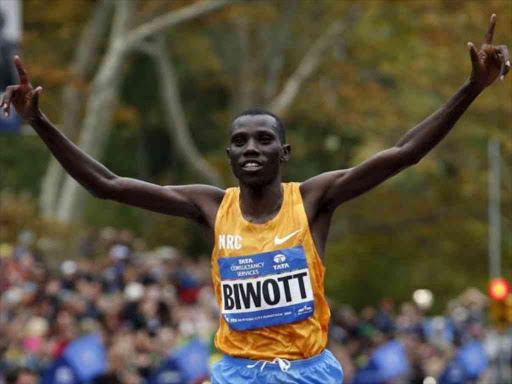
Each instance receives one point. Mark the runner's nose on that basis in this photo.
(251, 149)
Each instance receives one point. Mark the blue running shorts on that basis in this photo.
(320, 369)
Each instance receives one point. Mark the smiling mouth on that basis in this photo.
(251, 166)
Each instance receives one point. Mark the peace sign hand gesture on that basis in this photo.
(491, 61)
(23, 97)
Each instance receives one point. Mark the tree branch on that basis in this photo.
(177, 124)
(171, 19)
(244, 96)
(72, 96)
(307, 66)
(273, 58)
(100, 109)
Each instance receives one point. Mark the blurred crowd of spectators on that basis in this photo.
(145, 303)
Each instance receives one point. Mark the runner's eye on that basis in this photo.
(238, 141)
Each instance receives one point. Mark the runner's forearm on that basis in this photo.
(426, 135)
(83, 168)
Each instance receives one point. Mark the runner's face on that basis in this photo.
(255, 151)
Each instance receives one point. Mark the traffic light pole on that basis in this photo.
(493, 150)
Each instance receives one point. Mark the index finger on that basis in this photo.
(22, 73)
(490, 31)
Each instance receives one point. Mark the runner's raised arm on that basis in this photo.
(329, 190)
(196, 202)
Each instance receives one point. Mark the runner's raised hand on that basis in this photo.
(491, 61)
(23, 97)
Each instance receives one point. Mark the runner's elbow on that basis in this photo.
(103, 189)
(409, 157)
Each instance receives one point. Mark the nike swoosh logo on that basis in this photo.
(278, 240)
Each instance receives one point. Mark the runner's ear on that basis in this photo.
(287, 149)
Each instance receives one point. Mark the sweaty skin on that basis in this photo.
(256, 155)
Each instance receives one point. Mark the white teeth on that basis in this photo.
(251, 165)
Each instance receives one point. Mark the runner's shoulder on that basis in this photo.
(314, 189)
(200, 193)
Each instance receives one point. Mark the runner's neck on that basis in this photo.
(262, 204)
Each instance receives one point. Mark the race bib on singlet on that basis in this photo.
(266, 289)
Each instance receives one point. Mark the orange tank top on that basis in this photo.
(269, 282)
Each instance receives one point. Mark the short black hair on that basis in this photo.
(259, 111)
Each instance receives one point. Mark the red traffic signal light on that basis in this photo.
(499, 288)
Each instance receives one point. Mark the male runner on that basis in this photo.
(269, 237)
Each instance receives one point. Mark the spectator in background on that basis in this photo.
(153, 311)
(384, 317)
(22, 376)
